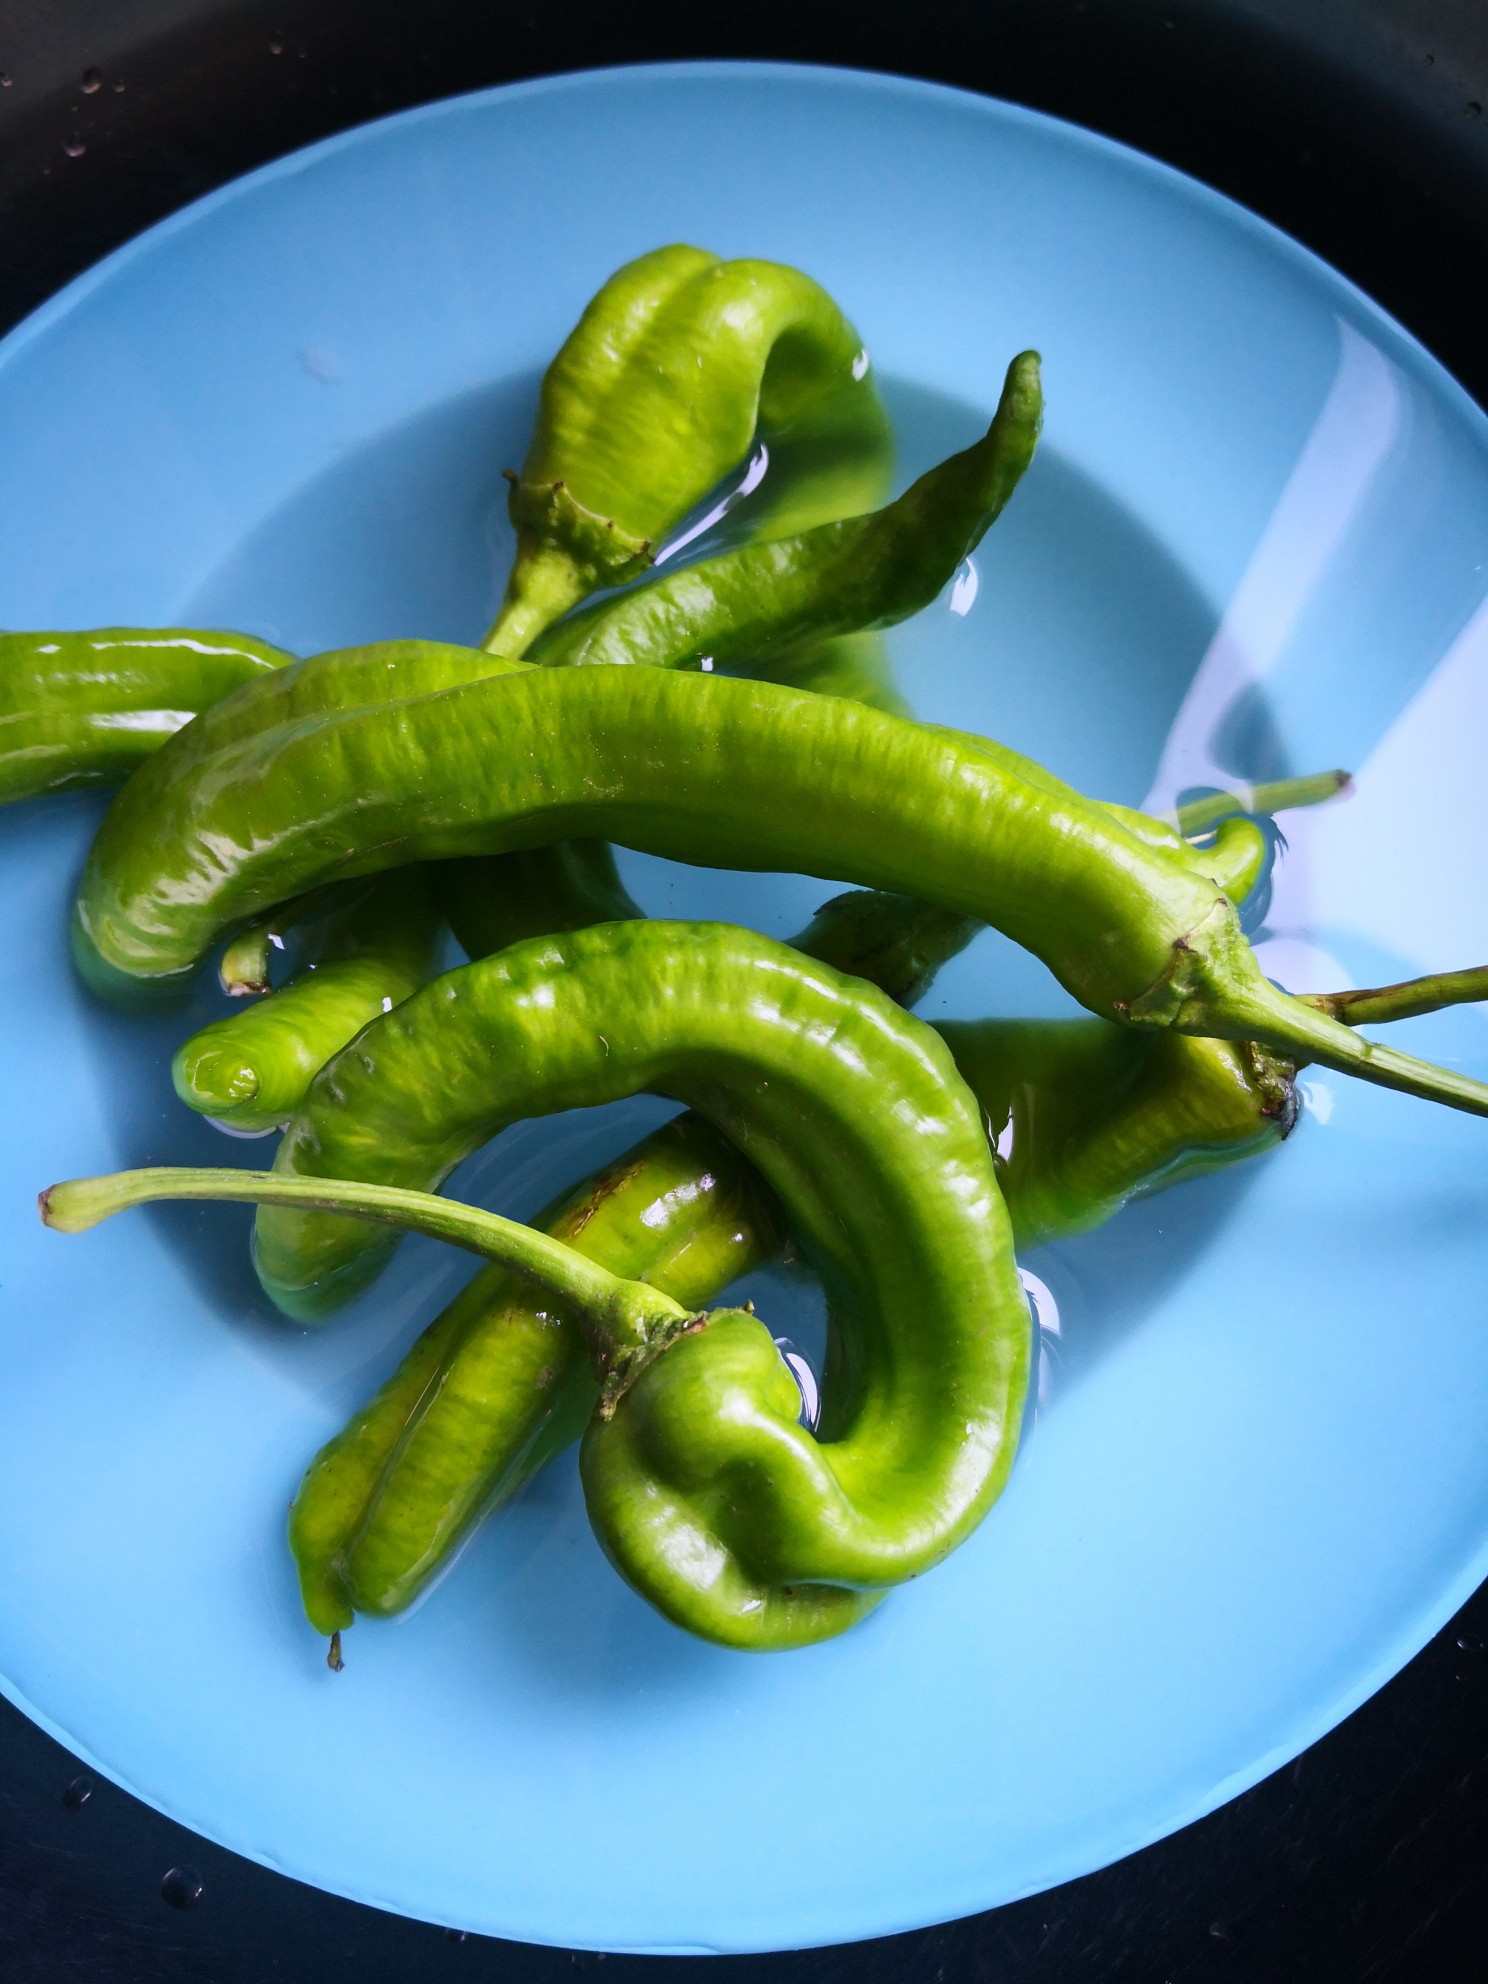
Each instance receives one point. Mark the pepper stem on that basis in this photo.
(1405, 1001)
(1301, 1030)
(1198, 816)
(624, 1322)
(545, 582)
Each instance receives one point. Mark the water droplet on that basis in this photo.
(387, 1004)
(1219, 1932)
(706, 664)
(456, 1936)
(964, 588)
(805, 1379)
(861, 364)
(182, 1887)
(4, 80)
(1430, 59)
(75, 146)
(92, 82)
(78, 1793)
(276, 44)
(1472, 110)
(1470, 1642)
(117, 88)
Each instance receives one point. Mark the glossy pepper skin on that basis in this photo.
(500, 1381)
(251, 1070)
(497, 1384)
(1083, 1116)
(701, 1484)
(862, 573)
(717, 772)
(897, 1208)
(348, 679)
(656, 395)
(382, 1109)
(80, 708)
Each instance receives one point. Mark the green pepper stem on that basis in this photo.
(1405, 1001)
(545, 582)
(1198, 816)
(1299, 1029)
(625, 1322)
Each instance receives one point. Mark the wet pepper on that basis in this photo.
(1082, 1117)
(704, 1488)
(81, 708)
(497, 1384)
(717, 772)
(251, 1070)
(653, 398)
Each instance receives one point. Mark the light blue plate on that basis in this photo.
(1255, 539)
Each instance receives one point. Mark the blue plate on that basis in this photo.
(1254, 541)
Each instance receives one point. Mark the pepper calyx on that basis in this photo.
(618, 1365)
(598, 544)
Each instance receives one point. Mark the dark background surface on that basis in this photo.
(1358, 126)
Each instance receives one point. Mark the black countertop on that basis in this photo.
(1356, 125)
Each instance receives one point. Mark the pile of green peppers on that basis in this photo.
(735, 711)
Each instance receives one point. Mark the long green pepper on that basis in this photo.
(716, 772)
(705, 1490)
(78, 709)
(1082, 1117)
(496, 1384)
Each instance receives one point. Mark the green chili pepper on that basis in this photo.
(252, 1069)
(75, 708)
(499, 1382)
(654, 397)
(898, 1207)
(1083, 1117)
(718, 772)
(496, 1386)
(838, 578)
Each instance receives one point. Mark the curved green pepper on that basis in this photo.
(251, 1070)
(654, 396)
(721, 773)
(1082, 1117)
(838, 578)
(78, 708)
(499, 1382)
(495, 1386)
(703, 1487)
